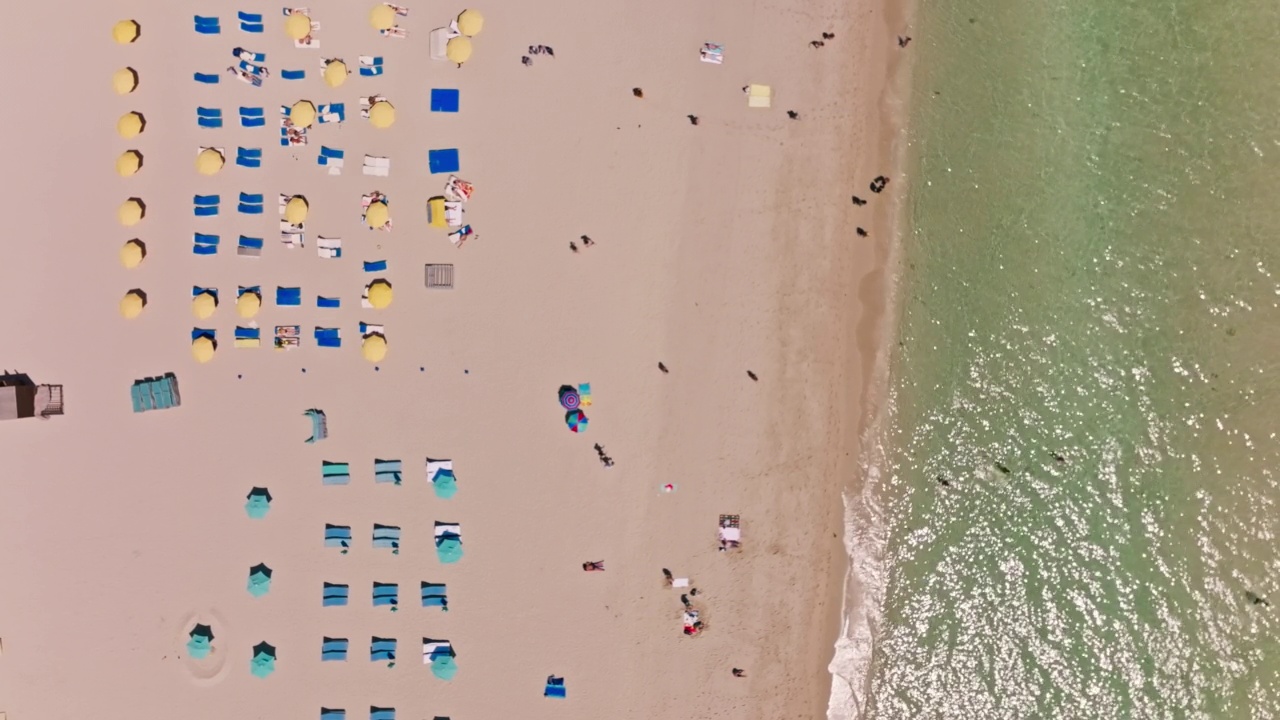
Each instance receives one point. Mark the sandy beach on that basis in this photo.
(720, 248)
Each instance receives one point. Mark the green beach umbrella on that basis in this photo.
(201, 641)
(259, 580)
(259, 502)
(445, 484)
(443, 666)
(264, 660)
(449, 550)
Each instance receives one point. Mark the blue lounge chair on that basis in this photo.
(335, 595)
(205, 244)
(337, 536)
(372, 70)
(248, 333)
(333, 650)
(386, 594)
(249, 157)
(207, 25)
(209, 117)
(444, 100)
(332, 714)
(208, 78)
(251, 247)
(328, 337)
(197, 290)
(387, 536)
(335, 473)
(328, 302)
(206, 205)
(141, 396)
(382, 649)
(435, 595)
(555, 687)
(443, 161)
(387, 471)
(288, 296)
(293, 74)
(252, 117)
(377, 713)
(323, 113)
(375, 266)
(327, 154)
(250, 203)
(250, 22)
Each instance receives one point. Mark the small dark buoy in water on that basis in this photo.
(1002, 468)
(943, 481)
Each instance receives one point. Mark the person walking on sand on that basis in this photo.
(739, 672)
(861, 232)
(572, 246)
(793, 114)
(685, 599)
(663, 368)
(667, 575)
(752, 376)
(586, 241)
(693, 119)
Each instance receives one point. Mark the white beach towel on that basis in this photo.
(680, 583)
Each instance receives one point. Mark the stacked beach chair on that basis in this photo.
(155, 393)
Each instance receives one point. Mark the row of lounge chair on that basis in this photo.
(211, 25)
(386, 471)
(448, 539)
(386, 595)
(288, 337)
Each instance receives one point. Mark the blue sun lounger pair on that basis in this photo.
(207, 25)
(209, 117)
(434, 595)
(204, 244)
(252, 117)
(387, 471)
(335, 595)
(250, 22)
(293, 74)
(382, 649)
(206, 205)
(337, 536)
(333, 650)
(249, 157)
(250, 203)
(386, 595)
(387, 536)
(328, 337)
(288, 296)
(328, 154)
(251, 247)
(335, 473)
(155, 393)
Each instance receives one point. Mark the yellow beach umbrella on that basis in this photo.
(302, 114)
(202, 349)
(379, 294)
(295, 211)
(374, 347)
(247, 305)
(125, 81)
(203, 305)
(126, 31)
(130, 212)
(470, 22)
(129, 163)
(131, 304)
(209, 161)
(297, 25)
(382, 114)
(458, 49)
(382, 17)
(377, 214)
(335, 73)
(130, 125)
(132, 253)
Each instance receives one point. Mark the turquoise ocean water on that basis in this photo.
(1092, 271)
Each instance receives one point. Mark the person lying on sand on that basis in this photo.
(593, 566)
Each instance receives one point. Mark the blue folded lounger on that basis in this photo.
(204, 332)
(206, 205)
(326, 302)
(387, 536)
(378, 713)
(248, 333)
(387, 471)
(252, 117)
(250, 203)
(337, 536)
(335, 595)
(375, 266)
(208, 117)
(333, 650)
(288, 296)
(249, 157)
(382, 649)
(293, 74)
(444, 100)
(333, 714)
(208, 78)
(434, 595)
(207, 25)
(386, 594)
(328, 337)
(205, 244)
(334, 473)
(250, 22)
(442, 161)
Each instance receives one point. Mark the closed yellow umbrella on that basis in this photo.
(202, 349)
(377, 214)
(379, 294)
(129, 163)
(247, 305)
(382, 114)
(374, 347)
(335, 73)
(302, 114)
(458, 49)
(203, 305)
(125, 81)
(295, 211)
(131, 304)
(297, 25)
(126, 31)
(382, 17)
(131, 212)
(130, 125)
(470, 22)
(132, 253)
(209, 161)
